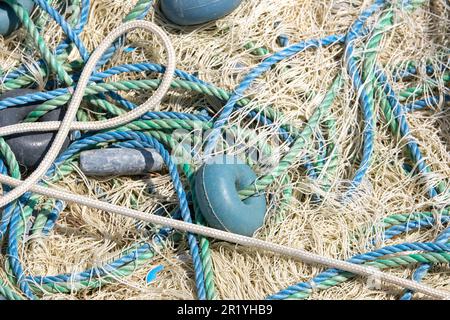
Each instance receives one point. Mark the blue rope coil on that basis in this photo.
(12, 215)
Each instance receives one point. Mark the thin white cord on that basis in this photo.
(68, 124)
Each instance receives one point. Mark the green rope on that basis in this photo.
(257, 51)
(161, 129)
(8, 293)
(299, 145)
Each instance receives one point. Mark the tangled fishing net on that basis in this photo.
(327, 199)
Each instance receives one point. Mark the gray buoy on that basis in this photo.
(120, 162)
(29, 148)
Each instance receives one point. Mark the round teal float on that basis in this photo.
(192, 12)
(9, 21)
(217, 184)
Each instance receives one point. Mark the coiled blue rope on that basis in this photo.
(62, 47)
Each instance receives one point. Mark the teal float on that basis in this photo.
(192, 12)
(9, 21)
(217, 184)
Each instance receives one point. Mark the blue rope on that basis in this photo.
(118, 43)
(366, 101)
(101, 138)
(412, 71)
(71, 34)
(368, 130)
(399, 114)
(62, 47)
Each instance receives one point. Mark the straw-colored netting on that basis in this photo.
(84, 238)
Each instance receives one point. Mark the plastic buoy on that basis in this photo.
(217, 184)
(120, 162)
(9, 21)
(192, 12)
(29, 148)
